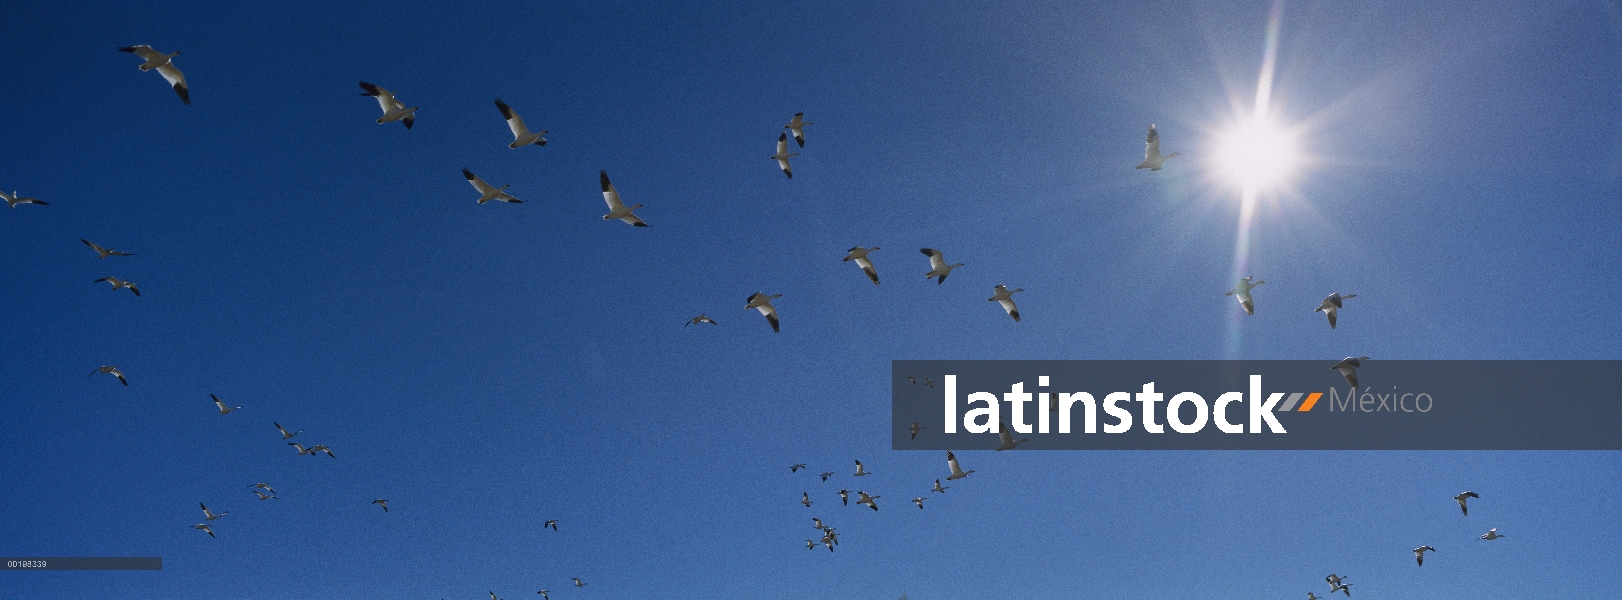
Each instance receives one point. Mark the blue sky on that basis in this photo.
(489, 367)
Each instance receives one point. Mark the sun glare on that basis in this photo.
(1257, 153)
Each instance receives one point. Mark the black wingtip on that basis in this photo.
(127, 49)
(642, 225)
(468, 174)
(506, 111)
(603, 177)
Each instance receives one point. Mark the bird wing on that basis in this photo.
(385, 98)
(782, 146)
(609, 195)
(1008, 305)
(937, 260)
(144, 51)
(1151, 149)
(514, 122)
(1331, 312)
(867, 267)
(92, 246)
(478, 184)
(176, 79)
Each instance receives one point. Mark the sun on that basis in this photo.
(1256, 153)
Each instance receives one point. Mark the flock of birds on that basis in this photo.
(394, 110)
(1338, 583)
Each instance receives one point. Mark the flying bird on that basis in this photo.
(1492, 534)
(393, 110)
(1007, 438)
(1152, 158)
(579, 583)
(929, 382)
(917, 426)
(938, 487)
(1331, 306)
(285, 434)
(796, 468)
(103, 252)
(204, 528)
(957, 471)
(487, 192)
(13, 200)
(859, 254)
(111, 370)
(810, 545)
(763, 303)
(1419, 554)
(1345, 588)
(913, 379)
(797, 125)
(844, 495)
(1002, 295)
(617, 209)
(817, 523)
(223, 407)
(861, 471)
(826, 475)
(521, 135)
(805, 498)
(383, 503)
(937, 265)
(1462, 498)
(829, 542)
(301, 449)
(322, 448)
(544, 595)
(783, 155)
(553, 523)
(1242, 290)
(868, 500)
(1334, 580)
(1348, 368)
(262, 486)
(919, 502)
(210, 516)
(119, 283)
(165, 65)
(264, 496)
(700, 319)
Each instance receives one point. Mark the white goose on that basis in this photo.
(12, 200)
(861, 471)
(578, 582)
(797, 125)
(763, 303)
(264, 496)
(1419, 554)
(1331, 305)
(488, 193)
(1152, 159)
(103, 252)
(1242, 290)
(700, 319)
(204, 528)
(119, 283)
(957, 471)
(1007, 438)
(939, 488)
(919, 501)
(844, 497)
(825, 475)
(521, 135)
(805, 498)
(165, 66)
(783, 155)
(321, 448)
(210, 516)
(263, 486)
(1004, 296)
(285, 434)
(1461, 498)
(111, 370)
(1348, 368)
(301, 449)
(224, 410)
(1492, 534)
(617, 209)
(859, 254)
(383, 503)
(916, 427)
(393, 110)
(868, 500)
(937, 265)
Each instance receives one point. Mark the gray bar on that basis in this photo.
(81, 563)
(1289, 403)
